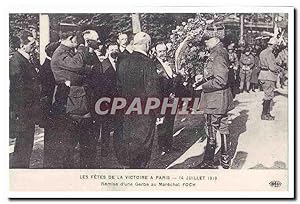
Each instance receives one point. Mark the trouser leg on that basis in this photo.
(23, 148)
(105, 136)
(225, 157)
(88, 143)
(268, 88)
(69, 141)
(242, 85)
(50, 143)
(208, 159)
(214, 123)
(248, 85)
(225, 141)
(165, 132)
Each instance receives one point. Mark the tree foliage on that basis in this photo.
(160, 25)
(21, 21)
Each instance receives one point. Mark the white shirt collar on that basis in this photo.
(112, 61)
(160, 60)
(25, 54)
(122, 49)
(141, 51)
(166, 67)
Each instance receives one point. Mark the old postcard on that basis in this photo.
(167, 101)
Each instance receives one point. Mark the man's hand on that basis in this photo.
(198, 88)
(80, 39)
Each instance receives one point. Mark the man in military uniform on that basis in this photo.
(246, 66)
(233, 69)
(282, 61)
(73, 122)
(216, 98)
(268, 77)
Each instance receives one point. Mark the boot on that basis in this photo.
(208, 160)
(264, 111)
(269, 109)
(225, 158)
(209, 154)
(253, 88)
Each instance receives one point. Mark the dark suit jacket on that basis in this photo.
(24, 93)
(48, 85)
(109, 78)
(134, 134)
(167, 84)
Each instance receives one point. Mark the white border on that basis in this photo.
(98, 8)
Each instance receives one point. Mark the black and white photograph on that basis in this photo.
(162, 92)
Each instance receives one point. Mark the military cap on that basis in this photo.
(215, 31)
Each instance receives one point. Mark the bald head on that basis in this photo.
(90, 35)
(142, 41)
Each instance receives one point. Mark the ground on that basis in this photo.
(255, 144)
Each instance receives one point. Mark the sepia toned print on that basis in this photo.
(176, 100)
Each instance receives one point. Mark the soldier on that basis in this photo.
(73, 122)
(268, 77)
(246, 65)
(255, 71)
(216, 98)
(282, 61)
(233, 68)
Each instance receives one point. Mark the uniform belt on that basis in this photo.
(267, 69)
(264, 68)
(72, 84)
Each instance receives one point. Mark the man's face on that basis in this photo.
(30, 46)
(123, 40)
(161, 51)
(211, 43)
(230, 51)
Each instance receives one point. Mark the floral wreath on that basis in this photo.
(187, 51)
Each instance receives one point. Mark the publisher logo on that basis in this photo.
(275, 184)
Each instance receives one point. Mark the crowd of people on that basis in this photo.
(60, 96)
(246, 66)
